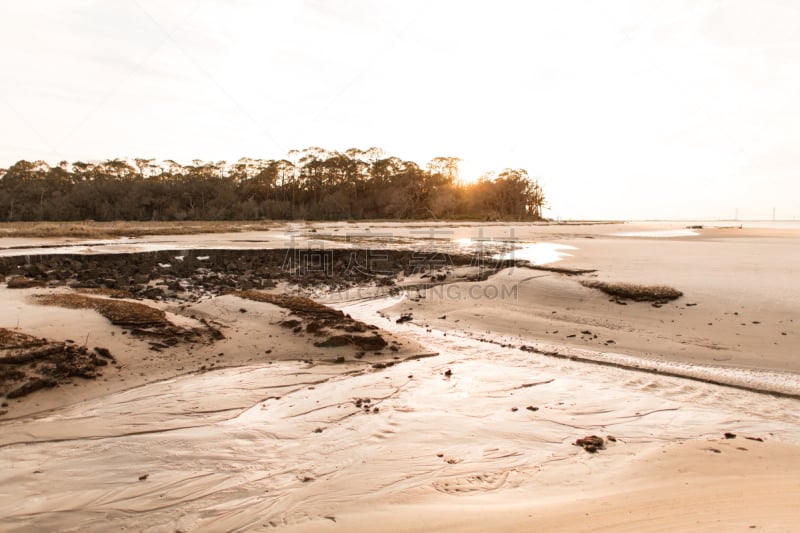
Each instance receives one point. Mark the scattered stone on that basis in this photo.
(757, 439)
(591, 443)
(729, 435)
(532, 408)
(143, 477)
(448, 373)
(404, 318)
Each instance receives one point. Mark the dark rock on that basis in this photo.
(364, 342)
(591, 443)
(314, 327)
(33, 385)
(103, 352)
(19, 282)
(404, 318)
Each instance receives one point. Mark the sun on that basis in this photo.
(470, 169)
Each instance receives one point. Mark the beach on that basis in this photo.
(441, 394)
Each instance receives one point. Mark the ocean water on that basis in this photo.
(757, 224)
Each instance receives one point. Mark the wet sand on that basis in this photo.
(479, 437)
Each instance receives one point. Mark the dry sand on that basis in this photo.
(477, 438)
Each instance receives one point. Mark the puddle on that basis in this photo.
(540, 253)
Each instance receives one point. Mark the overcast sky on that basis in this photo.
(624, 109)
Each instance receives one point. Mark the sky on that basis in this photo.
(640, 109)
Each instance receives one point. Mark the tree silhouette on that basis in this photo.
(312, 183)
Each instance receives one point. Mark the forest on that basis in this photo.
(312, 184)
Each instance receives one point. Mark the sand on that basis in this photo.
(680, 487)
(275, 433)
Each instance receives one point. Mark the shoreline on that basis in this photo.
(467, 402)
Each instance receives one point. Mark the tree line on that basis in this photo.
(309, 184)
